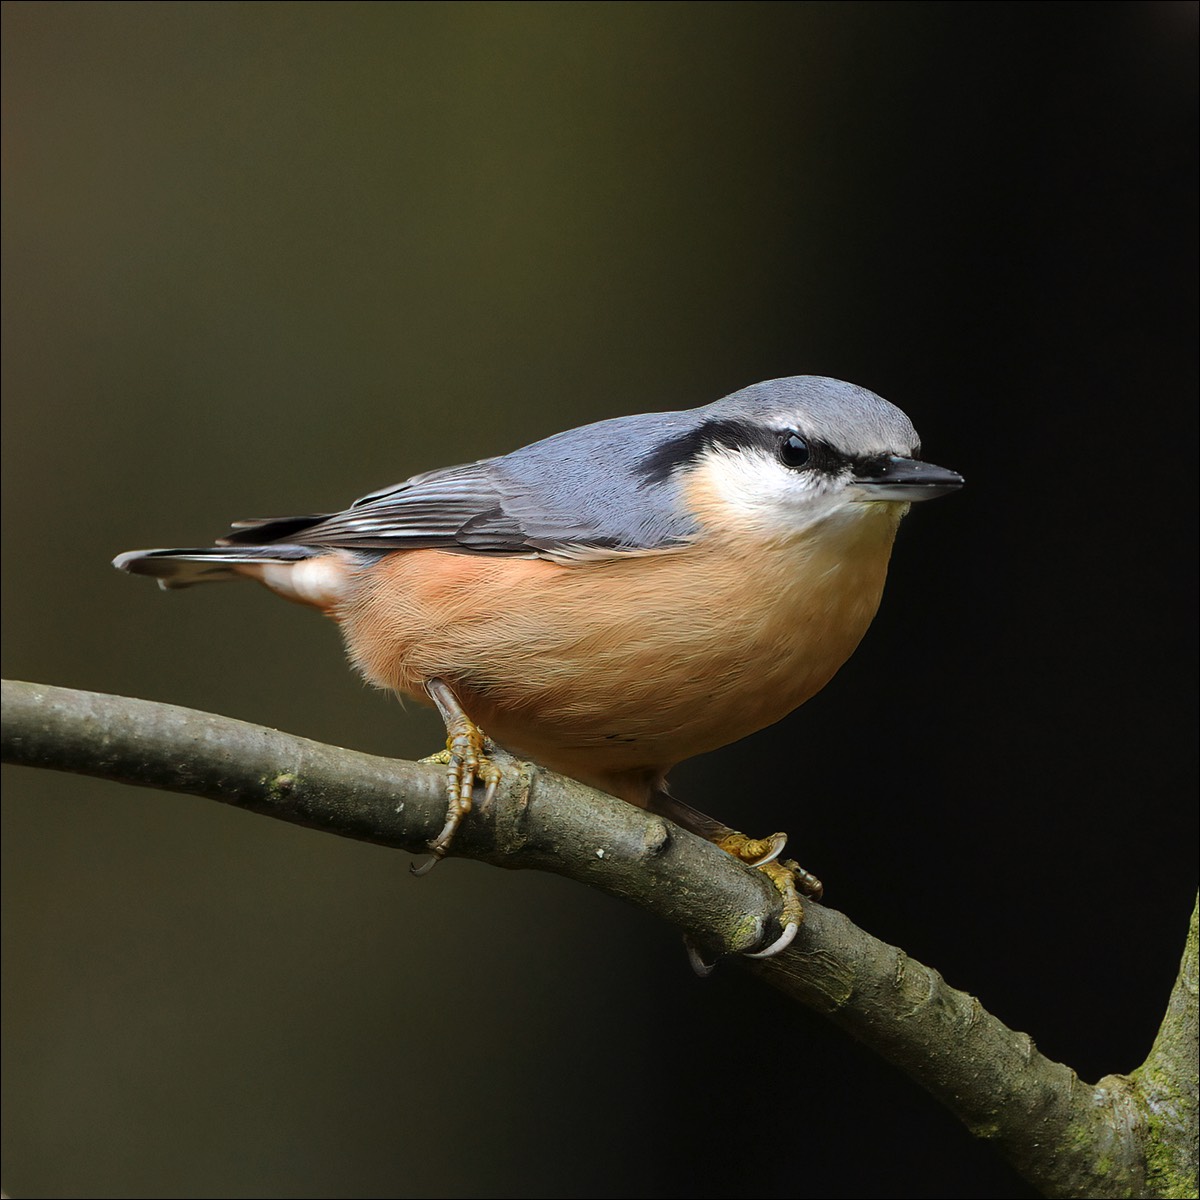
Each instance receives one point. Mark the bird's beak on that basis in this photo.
(903, 479)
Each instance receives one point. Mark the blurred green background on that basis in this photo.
(262, 258)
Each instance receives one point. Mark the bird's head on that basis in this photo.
(784, 455)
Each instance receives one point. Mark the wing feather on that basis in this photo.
(576, 496)
(459, 508)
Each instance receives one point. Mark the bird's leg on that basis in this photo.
(466, 765)
(790, 879)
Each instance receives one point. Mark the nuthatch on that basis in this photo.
(616, 598)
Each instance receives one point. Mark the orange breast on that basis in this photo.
(623, 667)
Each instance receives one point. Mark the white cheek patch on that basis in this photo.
(753, 491)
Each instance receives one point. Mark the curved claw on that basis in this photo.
(491, 775)
(806, 881)
(774, 846)
(699, 964)
(754, 852)
(456, 810)
(780, 944)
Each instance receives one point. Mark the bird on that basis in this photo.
(616, 598)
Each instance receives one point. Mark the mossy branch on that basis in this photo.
(1125, 1136)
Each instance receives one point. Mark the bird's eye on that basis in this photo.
(794, 451)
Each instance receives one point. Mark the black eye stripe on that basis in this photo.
(686, 448)
(679, 452)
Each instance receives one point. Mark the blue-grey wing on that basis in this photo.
(579, 491)
(456, 508)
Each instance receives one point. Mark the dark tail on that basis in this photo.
(208, 564)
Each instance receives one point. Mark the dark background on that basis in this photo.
(263, 258)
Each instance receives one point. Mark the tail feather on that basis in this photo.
(260, 530)
(207, 564)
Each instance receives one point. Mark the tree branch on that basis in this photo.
(1124, 1136)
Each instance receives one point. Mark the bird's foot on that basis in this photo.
(765, 852)
(788, 877)
(466, 765)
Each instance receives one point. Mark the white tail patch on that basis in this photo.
(321, 581)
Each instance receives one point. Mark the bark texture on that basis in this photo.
(1125, 1136)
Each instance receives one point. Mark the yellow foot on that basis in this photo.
(763, 852)
(466, 765)
(784, 879)
(790, 881)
